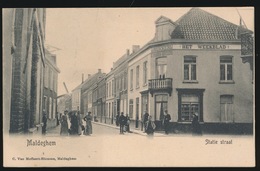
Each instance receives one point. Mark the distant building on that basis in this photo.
(64, 103)
(51, 72)
(76, 98)
(23, 62)
(110, 111)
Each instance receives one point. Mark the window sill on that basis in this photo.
(190, 81)
(131, 89)
(137, 87)
(145, 85)
(227, 82)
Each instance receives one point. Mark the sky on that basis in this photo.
(89, 39)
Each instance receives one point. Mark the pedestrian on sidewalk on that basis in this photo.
(79, 119)
(196, 129)
(64, 124)
(122, 121)
(117, 118)
(166, 122)
(74, 123)
(128, 123)
(150, 126)
(88, 119)
(44, 120)
(145, 119)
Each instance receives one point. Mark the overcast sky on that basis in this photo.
(92, 38)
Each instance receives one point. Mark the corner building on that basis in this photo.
(193, 65)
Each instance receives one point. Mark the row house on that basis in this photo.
(101, 100)
(87, 88)
(193, 65)
(110, 97)
(49, 103)
(23, 69)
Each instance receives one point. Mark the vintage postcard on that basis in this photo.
(128, 87)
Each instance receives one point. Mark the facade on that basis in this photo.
(120, 77)
(101, 100)
(24, 62)
(49, 103)
(76, 98)
(194, 65)
(87, 92)
(110, 97)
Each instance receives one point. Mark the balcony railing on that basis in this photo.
(160, 85)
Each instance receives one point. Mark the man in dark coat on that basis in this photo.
(117, 119)
(122, 121)
(44, 120)
(196, 129)
(166, 122)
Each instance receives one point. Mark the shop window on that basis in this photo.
(161, 104)
(189, 105)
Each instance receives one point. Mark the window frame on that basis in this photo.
(190, 64)
(226, 64)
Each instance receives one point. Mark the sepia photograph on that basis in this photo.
(128, 87)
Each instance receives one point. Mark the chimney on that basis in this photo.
(99, 70)
(135, 48)
(82, 77)
(127, 52)
(89, 75)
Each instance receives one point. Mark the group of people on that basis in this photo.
(76, 124)
(123, 122)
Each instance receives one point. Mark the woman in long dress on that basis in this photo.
(64, 124)
(149, 126)
(88, 119)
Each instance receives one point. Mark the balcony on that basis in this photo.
(160, 85)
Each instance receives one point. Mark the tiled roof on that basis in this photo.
(198, 24)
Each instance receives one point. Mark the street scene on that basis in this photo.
(129, 76)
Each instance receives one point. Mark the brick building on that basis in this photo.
(24, 61)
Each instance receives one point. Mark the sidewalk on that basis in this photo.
(135, 131)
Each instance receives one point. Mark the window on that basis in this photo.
(144, 102)
(131, 108)
(161, 66)
(137, 76)
(46, 78)
(189, 105)
(125, 81)
(50, 108)
(54, 107)
(131, 79)
(109, 109)
(45, 103)
(161, 104)
(51, 79)
(113, 87)
(226, 108)
(145, 73)
(190, 73)
(226, 68)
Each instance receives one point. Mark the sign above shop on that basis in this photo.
(197, 47)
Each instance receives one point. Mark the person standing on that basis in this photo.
(122, 121)
(64, 124)
(145, 119)
(166, 122)
(44, 120)
(150, 126)
(79, 119)
(74, 123)
(196, 129)
(117, 118)
(127, 123)
(88, 119)
(57, 118)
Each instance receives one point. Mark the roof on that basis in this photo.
(198, 24)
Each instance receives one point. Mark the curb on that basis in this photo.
(133, 131)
